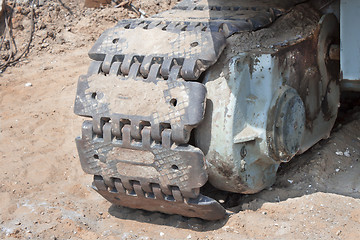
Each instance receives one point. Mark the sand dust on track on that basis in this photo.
(45, 194)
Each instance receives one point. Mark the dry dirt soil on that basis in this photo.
(45, 194)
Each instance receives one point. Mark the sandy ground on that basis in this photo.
(45, 194)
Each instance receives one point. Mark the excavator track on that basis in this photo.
(142, 95)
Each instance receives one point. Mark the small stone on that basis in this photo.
(162, 234)
(338, 232)
(337, 170)
(44, 45)
(264, 213)
(221, 201)
(17, 223)
(290, 181)
(100, 213)
(47, 68)
(189, 236)
(225, 228)
(347, 153)
(29, 84)
(339, 153)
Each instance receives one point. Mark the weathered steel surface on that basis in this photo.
(144, 101)
(321, 91)
(201, 206)
(191, 35)
(266, 105)
(285, 124)
(176, 104)
(144, 161)
(194, 51)
(227, 16)
(233, 135)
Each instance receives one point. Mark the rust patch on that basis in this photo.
(299, 67)
(225, 169)
(222, 166)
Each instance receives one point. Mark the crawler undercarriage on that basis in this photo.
(218, 91)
